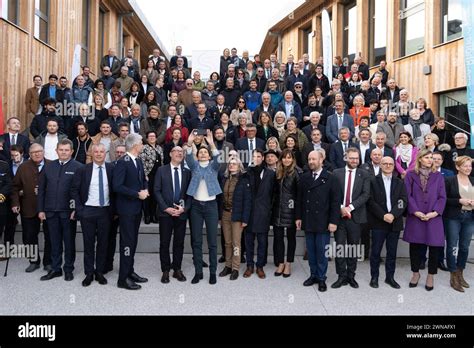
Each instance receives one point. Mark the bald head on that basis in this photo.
(315, 161)
(387, 165)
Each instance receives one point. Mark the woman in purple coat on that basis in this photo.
(424, 224)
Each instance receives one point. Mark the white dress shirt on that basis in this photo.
(376, 169)
(363, 150)
(93, 197)
(134, 158)
(346, 179)
(387, 183)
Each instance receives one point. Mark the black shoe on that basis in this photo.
(414, 285)
(147, 220)
(429, 288)
(32, 267)
(390, 281)
(165, 278)
(212, 279)
(88, 280)
(205, 265)
(442, 267)
(322, 287)
(352, 282)
(341, 281)
(374, 283)
(225, 272)
(221, 259)
(100, 278)
(137, 279)
(179, 275)
(51, 275)
(68, 276)
(197, 277)
(234, 275)
(128, 284)
(422, 265)
(242, 259)
(154, 219)
(310, 281)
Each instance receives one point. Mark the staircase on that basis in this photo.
(456, 116)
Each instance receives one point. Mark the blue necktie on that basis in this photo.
(177, 186)
(101, 188)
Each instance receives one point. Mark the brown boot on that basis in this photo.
(462, 281)
(260, 273)
(455, 282)
(248, 272)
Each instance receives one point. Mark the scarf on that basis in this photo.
(405, 152)
(280, 128)
(415, 124)
(424, 175)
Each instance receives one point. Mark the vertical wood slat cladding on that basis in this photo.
(23, 56)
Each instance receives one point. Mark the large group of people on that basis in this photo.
(258, 145)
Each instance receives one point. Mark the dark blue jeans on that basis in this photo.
(458, 238)
(318, 262)
(204, 212)
(60, 231)
(379, 237)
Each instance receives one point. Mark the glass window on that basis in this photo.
(412, 26)
(10, 10)
(41, 28)
(451, 17)
(85, 33)
(101, 35)
(350, 31)
(378, 31)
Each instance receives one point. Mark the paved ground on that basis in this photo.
(25, 294)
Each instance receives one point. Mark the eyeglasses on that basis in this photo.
(298, 87)
(189, 84)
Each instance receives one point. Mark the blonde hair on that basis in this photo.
(421, 154)
(461, 160)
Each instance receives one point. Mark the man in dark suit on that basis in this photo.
(317, 213)
(13, 137)
(296, 76)
(130, 186)
(92, 193)
(315, 122)
(56, 206)
(262, 181)
(49, 90)
(355, 191)
(365, 145)
(112, 62)
(171, 184)
(337, 121)
(246, 145)
(380, 139)
(314, 145)
(120, 151)
(388, 200)
(339, 148)
(24, 200)
(290, 107)
(5, 190)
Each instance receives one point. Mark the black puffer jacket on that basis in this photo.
(285, 199)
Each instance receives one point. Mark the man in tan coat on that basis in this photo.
(106, 137)
(32, 99)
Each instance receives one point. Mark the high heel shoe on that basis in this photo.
(429, 288)
(287, 266)
(277, 274)
(414, 285)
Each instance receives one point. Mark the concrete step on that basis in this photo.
(149, 241)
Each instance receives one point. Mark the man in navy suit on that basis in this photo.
(380, 139)
(130, 186)
(247, 144)
(92, 193)
(290, 107)
(56, 206)
(13, 137)
(339, 148)
(171, 184)
(337, 121)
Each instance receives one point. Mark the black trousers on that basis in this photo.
(95, 224)
(62, 230)
(347, 233)
(111, 244)
(31, 229)
(176, 228)
(8, 226)
(149, 205)
(365, 239)
(129, 226)
(279, 244)
(416, 254)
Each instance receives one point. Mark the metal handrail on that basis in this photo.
(457, 118)
(458, 128)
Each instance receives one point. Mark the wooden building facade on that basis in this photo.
(420, 40)
(39, 37)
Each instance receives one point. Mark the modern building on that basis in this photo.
(40, 36)
(422, 41)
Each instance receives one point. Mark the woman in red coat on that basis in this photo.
(177, 123)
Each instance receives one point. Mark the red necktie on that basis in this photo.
(348, 190)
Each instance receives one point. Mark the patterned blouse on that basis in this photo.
(150, 156)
